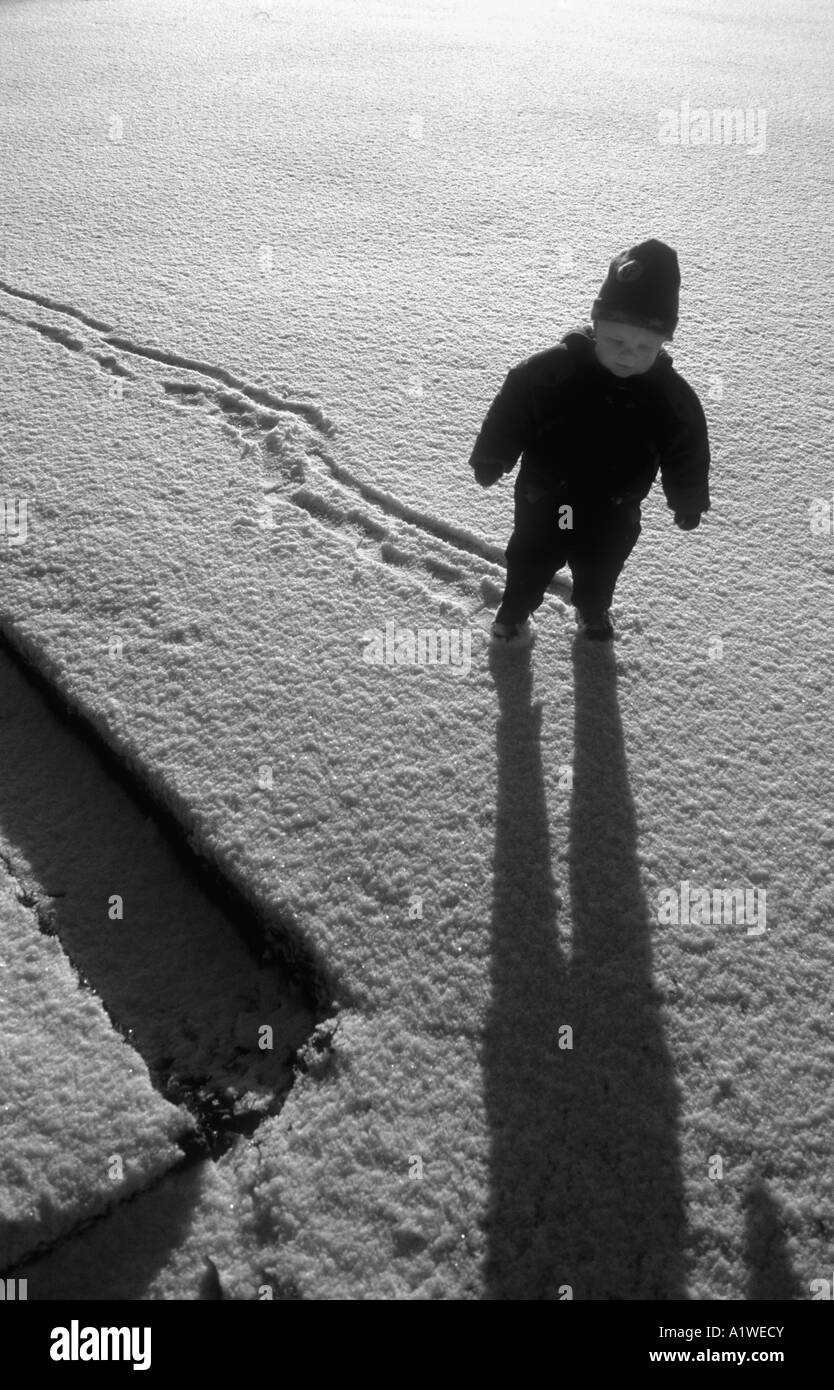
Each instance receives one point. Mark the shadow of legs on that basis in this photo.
(771, 1276)
(586, 1187)
(626, 1145)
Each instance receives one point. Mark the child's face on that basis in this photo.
(625, 349)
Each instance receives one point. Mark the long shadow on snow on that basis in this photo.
(586, 1186)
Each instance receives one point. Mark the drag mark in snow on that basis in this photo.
(57, 335)
(112, 364)
(291, 437)
(336, 515)
(66, 339)
(258, 394)
(46, 303)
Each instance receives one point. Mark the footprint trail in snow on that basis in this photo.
(288, 437)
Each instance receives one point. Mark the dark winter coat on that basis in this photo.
(587, 436)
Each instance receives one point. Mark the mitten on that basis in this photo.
(488, 473)
(687, 521)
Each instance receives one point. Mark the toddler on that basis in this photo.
(594, 419)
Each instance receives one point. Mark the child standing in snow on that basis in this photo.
(594, 419)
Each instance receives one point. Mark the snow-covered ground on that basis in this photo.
(263, 269)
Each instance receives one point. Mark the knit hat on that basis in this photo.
(641, 287)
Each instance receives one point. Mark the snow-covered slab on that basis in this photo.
(82, 1126)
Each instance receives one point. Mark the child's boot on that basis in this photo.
(512, 634)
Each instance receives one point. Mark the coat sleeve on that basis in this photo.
(685, 460)
(507, 426)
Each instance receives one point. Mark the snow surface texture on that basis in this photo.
(297, 255)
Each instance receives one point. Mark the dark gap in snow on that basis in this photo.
(175, 983)
(276, 939)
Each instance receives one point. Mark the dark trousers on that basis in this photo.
(595, 547)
